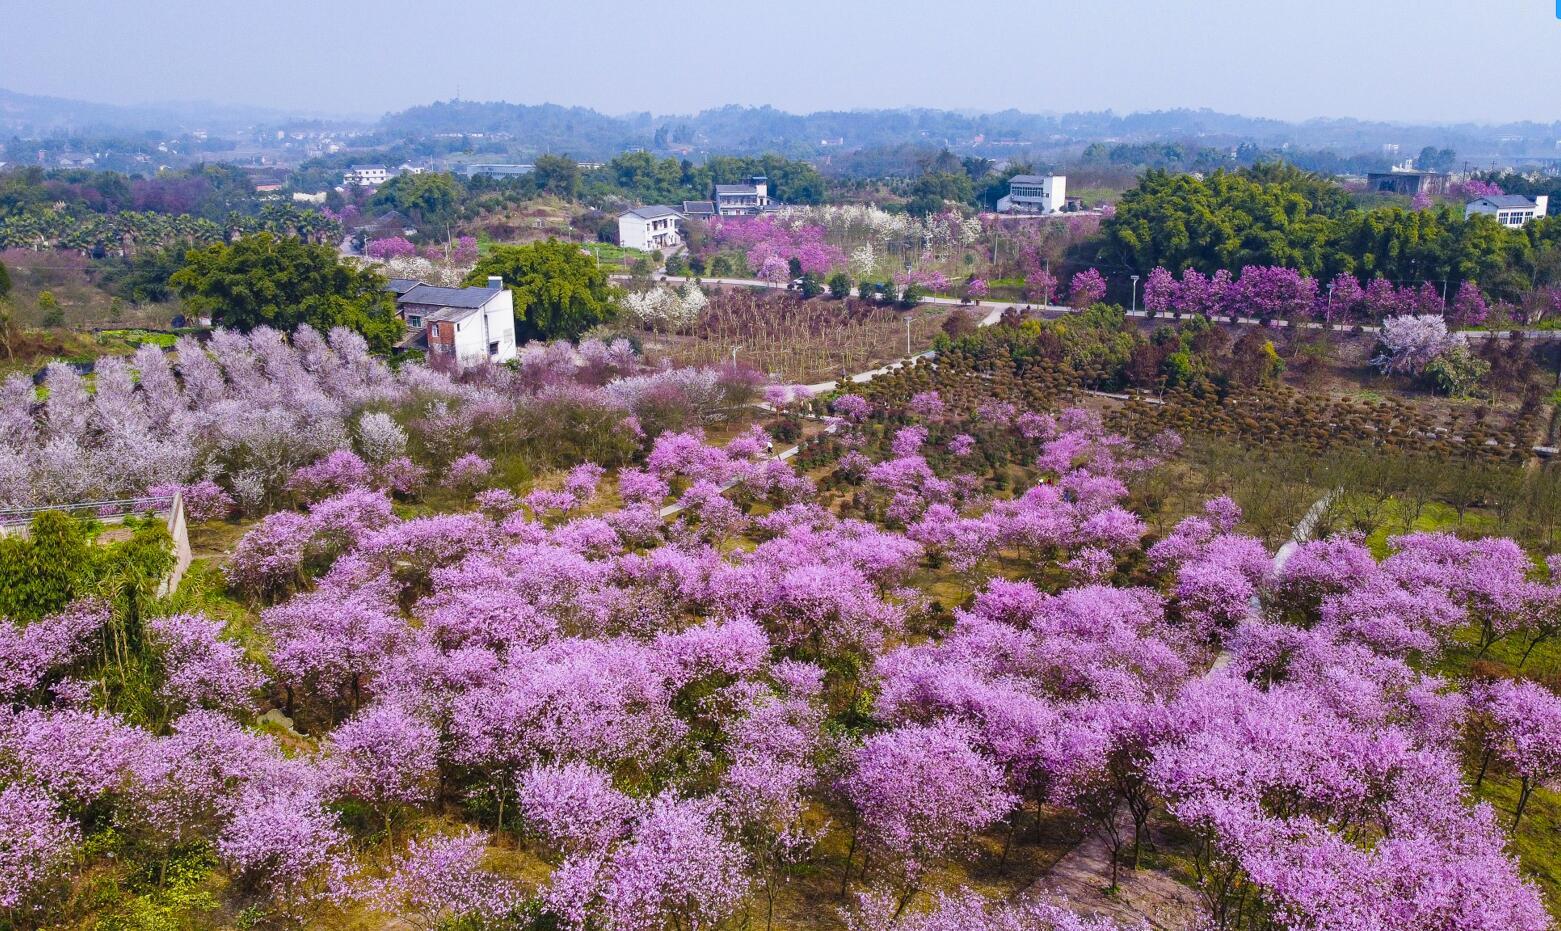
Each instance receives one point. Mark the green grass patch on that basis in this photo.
(1433, 516)
(618, 255)
(1534, 841)
(137, 337)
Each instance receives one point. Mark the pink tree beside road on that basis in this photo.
(1087, 287)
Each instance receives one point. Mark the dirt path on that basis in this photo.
(1078, 882)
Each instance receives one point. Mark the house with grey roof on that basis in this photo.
(1034, 194)
(366, 175)
(650, 228)
(743, 200)
(1513, 211)
(699, 209)
(466, 326)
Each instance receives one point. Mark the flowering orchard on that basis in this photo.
(254, 419)
(565, 710)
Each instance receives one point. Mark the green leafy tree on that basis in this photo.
(559, 290)
(839, 286)
(811, 285)
(557, 174)
(932, 191)
(429, 199)
(1433, 159)
(5, 282)
(144, 279)
(1458, 372)
(261, 280)
(646, 178)
(53, 313)
(39, 571)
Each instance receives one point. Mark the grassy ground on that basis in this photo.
(614, 254)
(1535, 840)
(1434, 516)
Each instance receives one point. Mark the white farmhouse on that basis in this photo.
(469, 325)
(366, 175)
(1510, 210)
(650, 228)
(1034, 194)
(743, 200)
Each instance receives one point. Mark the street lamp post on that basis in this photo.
(907, 335)
(1135, 294)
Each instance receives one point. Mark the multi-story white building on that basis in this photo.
(650, 228)
(1034, 194)
(743, 200)
(1510, 210)
(366, 175)
(467, 325)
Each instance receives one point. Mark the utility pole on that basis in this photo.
(734, 355)
(907, 336)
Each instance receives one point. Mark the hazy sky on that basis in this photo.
(1435, 60)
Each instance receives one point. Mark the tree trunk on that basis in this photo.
(845, 874)
(1523, 795)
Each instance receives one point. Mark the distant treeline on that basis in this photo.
(587, 134)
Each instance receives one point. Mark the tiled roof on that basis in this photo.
(454, 314)
(464, 298)
(652, 212)
(1508, 200)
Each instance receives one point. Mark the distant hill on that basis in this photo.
(577, 131)
(33, 116)
(733, 129)
(524, 130)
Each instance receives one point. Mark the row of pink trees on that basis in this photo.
(1274, 292)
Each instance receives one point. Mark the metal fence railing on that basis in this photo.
(117, 507)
